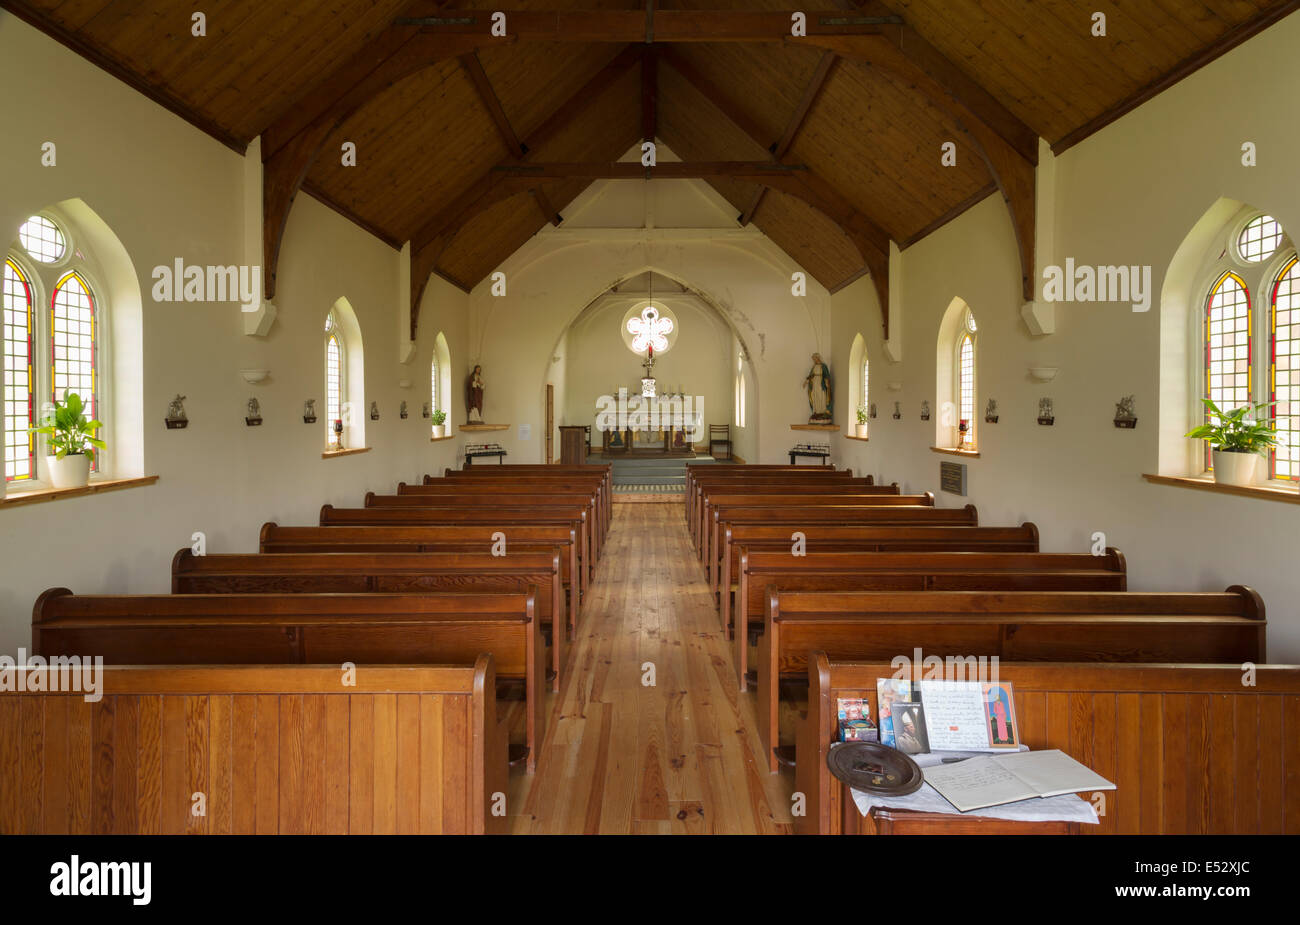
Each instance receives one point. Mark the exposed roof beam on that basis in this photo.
(634, 170)
(649, 92)
(432, 238)
(492, 103)
(1006, 146)
(870, 239)
(649, 25)
(792, 127)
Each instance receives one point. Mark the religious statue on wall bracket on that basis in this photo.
(474, 396)
(818, 386)
(1125, 416)
(176, 418)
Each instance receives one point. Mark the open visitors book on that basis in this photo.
(997, 779)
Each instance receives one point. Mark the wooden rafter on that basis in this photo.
(433, 236)
(800, 115)
(649, 92)
(1007, 147)
(871, 241)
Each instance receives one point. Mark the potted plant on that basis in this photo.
(439, 419)
(71, 437)
(862, 420)
(1236, 442)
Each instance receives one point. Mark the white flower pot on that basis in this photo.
(1234, 468)
(439, 430)
(70, 471)
(862, 430)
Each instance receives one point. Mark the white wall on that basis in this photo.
(598, 362)
(689, 235)
(167, 191)
(1127, 195)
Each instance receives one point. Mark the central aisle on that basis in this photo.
(677, 757)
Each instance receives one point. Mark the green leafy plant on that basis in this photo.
(862, 414)
(438, 416)
(1233, 432)
(70, 433)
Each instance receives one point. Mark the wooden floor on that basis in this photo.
(679, 756)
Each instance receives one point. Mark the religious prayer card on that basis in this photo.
(889, 691)
(969, 716)
(997, 779)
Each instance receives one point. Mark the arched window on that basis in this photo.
(48, 354)
(740, 390)
(965, 398)
(1284, 373)
(73, 342)
(865, 401)
(433, 383)
(19, 442)
(335, 378)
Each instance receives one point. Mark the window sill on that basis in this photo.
(953, 451)
(331, 454)
(1290, 496)
(55, 494)
(448, 437)
(856, 437)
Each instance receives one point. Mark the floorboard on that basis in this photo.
(625, 756)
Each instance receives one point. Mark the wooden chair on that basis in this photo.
(720, 434)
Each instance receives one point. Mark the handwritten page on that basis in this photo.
(977, 783)
(954, 715)
(1052, 772)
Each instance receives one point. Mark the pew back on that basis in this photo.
(284, 749)
(1191, 748)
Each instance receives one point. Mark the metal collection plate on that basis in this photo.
(875, 768)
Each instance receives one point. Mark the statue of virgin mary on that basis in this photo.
(818, 386)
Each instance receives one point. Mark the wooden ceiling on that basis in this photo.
(865, 126)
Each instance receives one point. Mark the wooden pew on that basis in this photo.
(502, 520)
(602, 471)
(313, 629)
(714, 502)
(721, 561)
(487, 498)
(521, 487)
(851, 490)
(696, 484)
(283, 749)
(904, 571)
(1191, 748)
(1062, 626)
(599, 477)
(354, 573)
(435, 538)
(699, 476)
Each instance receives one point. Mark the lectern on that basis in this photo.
(573, 444)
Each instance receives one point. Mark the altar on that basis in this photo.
(636, 441)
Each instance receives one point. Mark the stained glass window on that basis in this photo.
(966, 387)
(1259, 239)
(1285, 373)
(19, 443)
(1227, 345)
(333, 379)
(73, 345)
(42, 239)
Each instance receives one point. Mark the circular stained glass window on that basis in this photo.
(42, 239)
(1259, 239)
